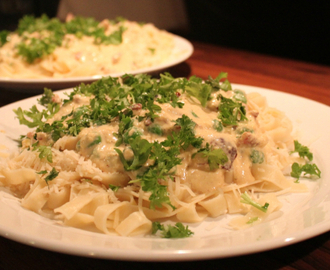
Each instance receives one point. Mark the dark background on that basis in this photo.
(291, 29)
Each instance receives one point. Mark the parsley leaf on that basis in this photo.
(45, 152)
(3, 37)
(199, 90)
(51, 176)
(186, 135)
(231, 112)
(302, 150)
(307, 169)
(170, 231)
(215, 157)
(217, 125)
(141, 149)
(46, 98)
(245, 198)
(114, 188)
(217, 85)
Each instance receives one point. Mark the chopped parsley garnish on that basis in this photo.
(165, 156)
(217, 125)
(141, 149)
(194, 114)
(199, 90)
(45, 152)
(302, 150)
(186, 135)
(46, 98)
(216, 83)
(240, 96)
(245, 198)
(155, 129)
(307, 169)
(3, 37)
(215, 157)
(96, 141)
(170, 231)
(114, 188)
(231, 112)
(51, 34)
(251, 220)
(152, 50)
(51, 175)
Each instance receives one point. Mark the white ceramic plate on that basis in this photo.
(303, 215)
(183, 49)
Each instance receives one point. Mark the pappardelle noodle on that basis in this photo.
(47, 48)
(123, 155)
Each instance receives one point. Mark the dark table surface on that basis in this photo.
(304, 79)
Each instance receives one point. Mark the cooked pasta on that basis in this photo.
(121, 154)
(71, 50)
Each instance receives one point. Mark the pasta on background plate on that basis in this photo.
(47, 48)
(122, 155)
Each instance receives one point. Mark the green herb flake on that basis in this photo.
(45, 152)
(155, 129)
(252, 220)
(239, 95)
(194, 114)
(217, 125)
(231, 112)
(215, 157)
(170, 231)
(302, 150)
(245, 198)
(114, 188)
(141, 149)
(308, 169)
(96, 141)
(51, 175)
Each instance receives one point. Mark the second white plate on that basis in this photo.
(182, 50)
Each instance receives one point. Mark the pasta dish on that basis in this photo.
(46, 48)
(124, 155)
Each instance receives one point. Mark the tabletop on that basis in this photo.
(308, 80)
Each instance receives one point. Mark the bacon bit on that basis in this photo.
(105, 24)
(136, 106)
(147, 122)
(105, 70)
(115, 58)
(30, 134)
(254, 113)
(177, 94)
(78, 55)
(250, 140)
(247, 140)
(69, 17)
(56, 98)
(41, 136)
